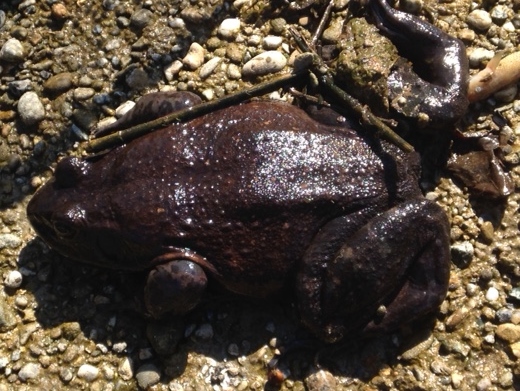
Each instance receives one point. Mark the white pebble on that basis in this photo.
(267, 62)
(88, 372)
(492, 294)
(13, 279)
(272, 42)
(177, 23)
(147, 375)
(229, 28)
(479, 55)
(208, 94)
(29, 371)
(208, 68)
(124, 108)
(195, 57)
(479, 19)
(83, 93)
(9, 241)
(171, 70)
(12, 51)
(30, 108)
(125, 370)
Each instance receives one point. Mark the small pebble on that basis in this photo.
(125, 369)
(208, 68)
(229, 28)
(9, 241)
(195, 57)
(83, 93)
(272, 42)
(19, 87)
(267, 62)
(504, 315)
(462, 254)
(13, 279)
(508, 332)
(58, 83)
(484, 384)
(30, 108)
(59, 11)
(141, 18)
(492, 294)
(479, 19)
(88, 372)
(29, 371)
(147, 375)
(173, 69)
(479, 55)
(499, 14)
(12, 51)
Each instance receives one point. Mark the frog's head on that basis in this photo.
(68, 213)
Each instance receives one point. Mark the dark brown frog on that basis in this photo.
(255, 197)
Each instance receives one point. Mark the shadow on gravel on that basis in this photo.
(93, 306)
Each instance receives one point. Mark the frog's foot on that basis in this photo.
(391, 271)
(151, 106)
(174, 287)
(435, 91)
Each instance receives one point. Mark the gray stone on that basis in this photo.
(29, 371)
(141, 18)
(268, 62)
(30, 108)
(12, 51)
(479, 20)
(9, 241)
(147, 375)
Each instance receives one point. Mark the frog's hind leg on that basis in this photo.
(435, 90)
(391, 271)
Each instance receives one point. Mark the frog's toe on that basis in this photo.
(174, 287)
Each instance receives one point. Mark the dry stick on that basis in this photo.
(326, 81)
(323, 22)
(123, 136)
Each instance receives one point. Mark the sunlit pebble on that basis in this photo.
(229, 27)
(13, 279)
(59, 11)
(492, 294)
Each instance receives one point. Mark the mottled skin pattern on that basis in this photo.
(255, 197)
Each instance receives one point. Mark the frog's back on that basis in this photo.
(245, 187)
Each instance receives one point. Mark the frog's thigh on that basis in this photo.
(174, 287)
(400, 259)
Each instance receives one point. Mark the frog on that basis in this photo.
(258, 199)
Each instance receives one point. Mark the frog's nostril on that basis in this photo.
(70, 171)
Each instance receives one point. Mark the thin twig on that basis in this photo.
(126, 135)
(323, 22)
(326, 80)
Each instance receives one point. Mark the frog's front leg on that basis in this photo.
(391, 271)
(151, 106)
(175, 285)
(435, 90)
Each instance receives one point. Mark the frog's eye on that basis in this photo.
(69, 172)
(64, 230)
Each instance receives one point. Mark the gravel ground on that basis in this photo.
(66, 65)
